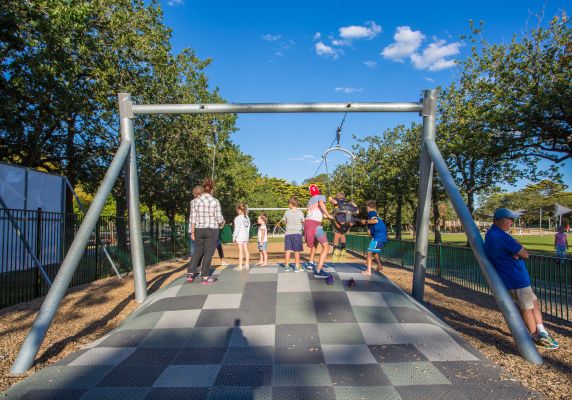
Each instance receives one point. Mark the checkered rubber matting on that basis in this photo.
(265, 333)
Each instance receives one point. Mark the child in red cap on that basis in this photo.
(313, 231)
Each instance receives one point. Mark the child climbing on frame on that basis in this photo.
(262, 240)
(241, 235)
(342, 222)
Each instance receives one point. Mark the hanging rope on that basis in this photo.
(215, 143)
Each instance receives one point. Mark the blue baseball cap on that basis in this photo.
(501, 213)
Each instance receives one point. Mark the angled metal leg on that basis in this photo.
(46, 314)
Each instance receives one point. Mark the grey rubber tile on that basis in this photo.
(104, 356)
(178, 319)
(125, 338)
(301, 375)
(240, 393)
(407, 315)
(151, 356)
(366, 393)
(358, 375)
(249, 356)
(413, 373)
(167, 338)
(115, 393)
(298, 354)
(297, 334)
(130, 376)
(251, 336)
(222, 301)
(371, 299)
(374, 315)
(342, 333)
(210, 337)
(187, 393)
(55, 394)
(396, 353)
(348, 354)
(244, 375)
(303, 392)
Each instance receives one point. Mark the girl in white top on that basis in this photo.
(241, 234)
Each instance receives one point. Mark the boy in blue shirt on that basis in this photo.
(507, 256)
(378, 233)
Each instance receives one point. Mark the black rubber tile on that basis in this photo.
(126, 338)
(244, 375)
(299, 354)
(57, 394)
(391, 353)
(409, 315)
(469, 372)
(305, 392)
(177, 394)
(200, 355)
(218, 318)
(297, 334)
(357, 375)
(333, 307)
(128, 375)
(151, 356)
(374, 286)
(177, 303)
(263, 355)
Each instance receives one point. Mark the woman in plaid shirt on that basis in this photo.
(205, 221)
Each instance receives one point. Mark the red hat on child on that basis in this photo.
(314, 190)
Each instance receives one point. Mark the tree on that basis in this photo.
(526, 86)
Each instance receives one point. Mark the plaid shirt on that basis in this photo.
(205, 212)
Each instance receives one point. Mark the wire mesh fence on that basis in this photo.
(49, 236)
(551, 277)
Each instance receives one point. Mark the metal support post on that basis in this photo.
(425, 189)
(46, 314)
(132, 184)
(511, 315)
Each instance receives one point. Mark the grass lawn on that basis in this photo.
(534, 243)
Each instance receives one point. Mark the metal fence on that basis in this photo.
(551, 277)
(49, 236)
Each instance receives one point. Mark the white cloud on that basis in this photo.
(279, 54)
(348, 90)
(435, 56)
(428, 79)
(305, 157)
(327, 51)
(368, 30)
(406, 43)
(174, 3)
(317, 36)
(271, 38)
(340, 43)
(316, 161)
(370, 64)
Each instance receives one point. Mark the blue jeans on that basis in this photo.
(560, 251)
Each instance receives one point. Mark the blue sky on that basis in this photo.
(332, 51)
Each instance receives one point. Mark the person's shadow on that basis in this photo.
(235, 339)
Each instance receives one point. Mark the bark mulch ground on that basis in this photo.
(90, 311)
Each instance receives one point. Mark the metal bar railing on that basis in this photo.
(551, 277)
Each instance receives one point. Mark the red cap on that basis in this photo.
(314, 190)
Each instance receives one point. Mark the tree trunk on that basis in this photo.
(398, 216)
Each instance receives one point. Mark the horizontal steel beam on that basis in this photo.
(274, 108)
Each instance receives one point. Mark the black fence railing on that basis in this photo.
(49, 236)
(551, 277)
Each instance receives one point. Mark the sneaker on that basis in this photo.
(321, 274)
(239, 268)
(297, 268)
(545, 340)
(246, 266)
(190, 277)
(309, 265)
(209, 280)
(224, 263)
(287, 268)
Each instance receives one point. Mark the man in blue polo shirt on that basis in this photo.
(507, 256)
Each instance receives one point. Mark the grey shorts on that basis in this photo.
(523, 297)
